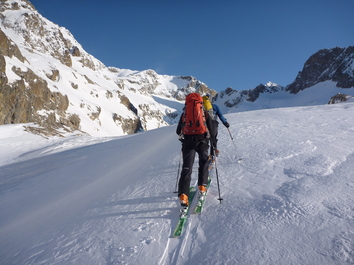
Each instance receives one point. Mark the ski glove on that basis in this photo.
(181, 137)
(227, 125)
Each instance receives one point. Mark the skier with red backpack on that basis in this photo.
(194, 133)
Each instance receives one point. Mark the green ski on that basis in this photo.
(201, 199)
(183, 217)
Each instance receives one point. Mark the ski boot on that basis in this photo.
(202, 193)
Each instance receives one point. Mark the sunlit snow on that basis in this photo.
(87, 200)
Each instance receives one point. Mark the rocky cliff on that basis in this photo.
(335, 64)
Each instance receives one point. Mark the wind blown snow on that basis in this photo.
(87, 200)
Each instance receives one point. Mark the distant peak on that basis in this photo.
(271, 84)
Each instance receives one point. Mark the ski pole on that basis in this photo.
(217, 176)
(217, 180)
(179, 167)
(238, 155)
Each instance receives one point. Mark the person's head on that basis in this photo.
(207, 97)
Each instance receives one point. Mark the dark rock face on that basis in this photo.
(339, 98)
(335, 64)
(23, 100)
(9, 49)
(26, 100)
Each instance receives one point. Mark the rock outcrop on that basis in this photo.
(335, 64)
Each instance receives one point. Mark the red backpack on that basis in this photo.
(193, 118)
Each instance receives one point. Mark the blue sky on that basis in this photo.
(228, 43)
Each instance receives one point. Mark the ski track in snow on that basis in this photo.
(290, 201)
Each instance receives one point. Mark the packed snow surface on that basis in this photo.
(87, 200)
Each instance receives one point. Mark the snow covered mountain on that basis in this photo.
(325, 74)
(109, 200)
(49, 79)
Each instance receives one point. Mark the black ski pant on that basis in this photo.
(191, 146)
(213, 136)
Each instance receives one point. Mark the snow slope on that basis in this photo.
(85, 200)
